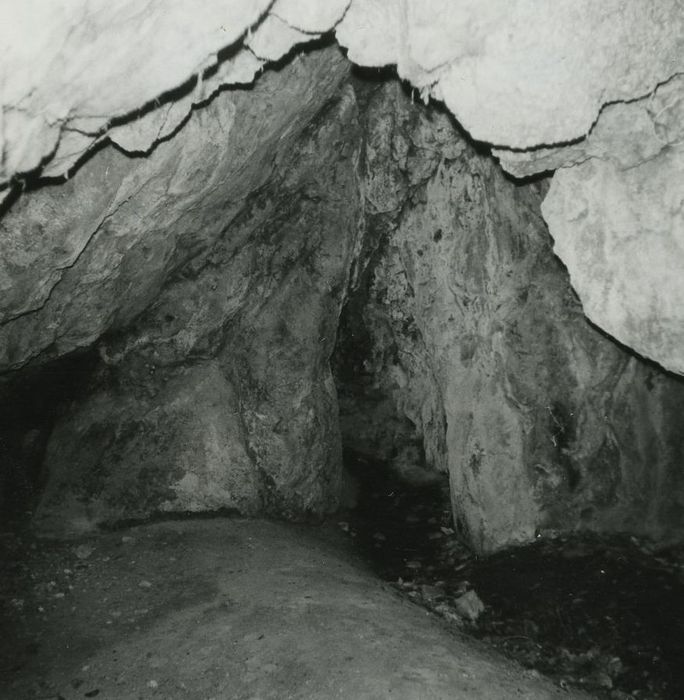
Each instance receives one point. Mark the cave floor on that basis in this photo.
(228, 608)
(600, 613)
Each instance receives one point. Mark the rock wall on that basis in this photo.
(571, 77)
(471, 339)
(209, 276)
(211, 285)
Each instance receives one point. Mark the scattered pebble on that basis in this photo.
(83, 551)
(469, 606)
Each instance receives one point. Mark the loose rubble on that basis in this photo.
(600, 613)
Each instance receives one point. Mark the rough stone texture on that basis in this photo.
(80, 258)
(216, 388)
(124, 455)
(516, 74)
(614, 211)
(86, 62)
(239, 266)
(625, 255)
(628, 134)
(542, 73)
(472, 333)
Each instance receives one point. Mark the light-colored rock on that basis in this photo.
(243, 332)
(273, 38)
(621, 235)
(472, 334)
(626, 134)
(99, 60)
(514, 74)
(90, 261)
(469, 606)
(530, 79)
(310, 15)
(123, 456)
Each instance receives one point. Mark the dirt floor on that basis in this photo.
(227, 608)
(604, 613)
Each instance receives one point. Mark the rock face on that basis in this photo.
(543, 84)
(209, 277)
(217, 309)
(123, 456)
(471, 340)
(79, 259)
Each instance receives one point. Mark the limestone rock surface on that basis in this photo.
(534, 80)
(214, 380)
(80, 258)
(473, 335)
(542, 73)
(124, 455)
(621, 235)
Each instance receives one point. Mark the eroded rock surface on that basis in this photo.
(211, 274)
(473, 340)
(84, 257)
(548, 85)
(213, 290)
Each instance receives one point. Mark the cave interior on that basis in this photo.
(320, 302)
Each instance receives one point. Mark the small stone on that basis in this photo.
(413, 565)
(343, 526)
(144, 584)
(152, 684)
(469, 606)
(431, 593)
(83, 551)
(447, 530)
(602, 680)
(379, 537)
(127, 539)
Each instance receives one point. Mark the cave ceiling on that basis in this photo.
(590, 91)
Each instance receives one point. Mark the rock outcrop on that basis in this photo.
(206, 252)
(516, 75)
(467, 336)
(212, 285)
